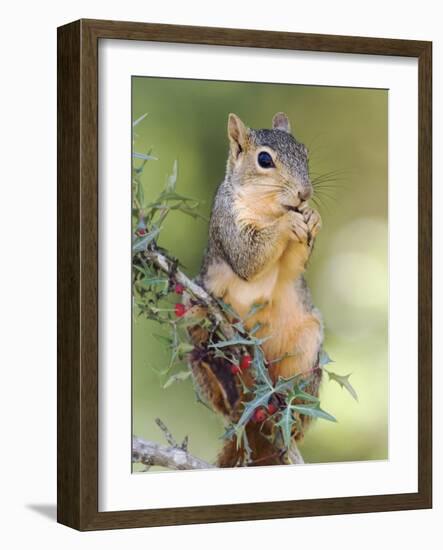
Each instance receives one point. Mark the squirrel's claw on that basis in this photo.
(313, 221)
(305, 225)
(298, 226)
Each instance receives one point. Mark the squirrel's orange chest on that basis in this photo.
(283, 318)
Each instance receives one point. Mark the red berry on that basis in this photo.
(245, 362)
(180, 310)
(178, 288)
(235, 369)
(272, 408)
(259, 415)
(141, 232)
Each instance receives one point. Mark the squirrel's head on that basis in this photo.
(268, 166)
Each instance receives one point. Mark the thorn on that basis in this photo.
(167, 433)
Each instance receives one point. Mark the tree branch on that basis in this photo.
(178, 458)
(294, 454)
(172, 457)
(162, 262)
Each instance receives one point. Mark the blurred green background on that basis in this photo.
(346, 131)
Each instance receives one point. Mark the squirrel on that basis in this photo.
(261, 235)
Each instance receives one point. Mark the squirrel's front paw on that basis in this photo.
(313, 222)
(299, 227)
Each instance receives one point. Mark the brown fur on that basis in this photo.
(261, 237)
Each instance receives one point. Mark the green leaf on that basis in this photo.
(143, 156)
(256, 308)
(227, 308)
(139, 119)
(179, 377)
(254, 329)
(229, 432)
(314, 411)
(171, 180)
(155, 281)
(324, 358)
(260, 400)
(262, 394)
(246, 445)
(172, 195)
(184, 348)
(141, 243)
(140, 194)
(237, 342)
(298, 393)
(343, 381)
(140, 269)
(285, 424)
(241, 434)
(262, 374)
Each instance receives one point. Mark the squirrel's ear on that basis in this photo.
(281, 122)
(237, 133)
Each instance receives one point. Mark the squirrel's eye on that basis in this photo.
(265, 160)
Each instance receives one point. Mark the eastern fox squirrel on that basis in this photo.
(261, 235)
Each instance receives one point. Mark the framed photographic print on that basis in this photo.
(244, 275)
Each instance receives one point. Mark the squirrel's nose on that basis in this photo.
(305, 194)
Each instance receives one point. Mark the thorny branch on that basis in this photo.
(174, 456)
(177, 457)
(162, 262)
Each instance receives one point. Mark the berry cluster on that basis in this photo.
(261, 413)
(245, 363)
(180, 310)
